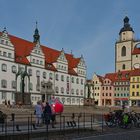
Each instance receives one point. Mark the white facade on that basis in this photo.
(69, 88)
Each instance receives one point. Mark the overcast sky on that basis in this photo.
(87, 27)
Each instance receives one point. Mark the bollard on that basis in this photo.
(17, 128)
(91, 121)
(13, 117)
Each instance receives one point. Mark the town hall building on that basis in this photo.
(37, 72)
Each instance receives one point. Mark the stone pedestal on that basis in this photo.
(89, 102)
(19, 98)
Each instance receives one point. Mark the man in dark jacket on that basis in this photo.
(47, 113)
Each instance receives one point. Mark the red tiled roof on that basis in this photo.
(124, 76)
(50, 67)
(135, 72)
(72, 62)
(72, 72)
(23, 49)
(136, 51)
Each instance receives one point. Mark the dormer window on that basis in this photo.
(127, 75)
(6, 42)
(33, 60)
(49, 66)
(41, 63)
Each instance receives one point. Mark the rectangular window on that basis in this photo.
(9, 55)
(3, 95)
(3, 83)
(14, 84)
(4, 54)
(13, 96)
(133, 93)
(14, 70)
(30, 72)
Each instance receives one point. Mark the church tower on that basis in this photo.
(124, 47)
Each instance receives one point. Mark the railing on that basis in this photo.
(23, 126)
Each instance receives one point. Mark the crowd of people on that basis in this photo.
(45, 113)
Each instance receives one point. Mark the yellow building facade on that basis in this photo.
(135, 88)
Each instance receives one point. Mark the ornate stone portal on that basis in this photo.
(47, 90)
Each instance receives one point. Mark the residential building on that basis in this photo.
(121, 87)
(97, 82)
(135, 87)
(107, 92)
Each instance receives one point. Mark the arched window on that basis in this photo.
(123, 51)
(123, 66)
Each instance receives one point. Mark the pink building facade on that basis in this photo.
(107, 93)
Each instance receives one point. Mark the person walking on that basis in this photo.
(38, 113)
(53, 116)
(43, 104)
(47, 113)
